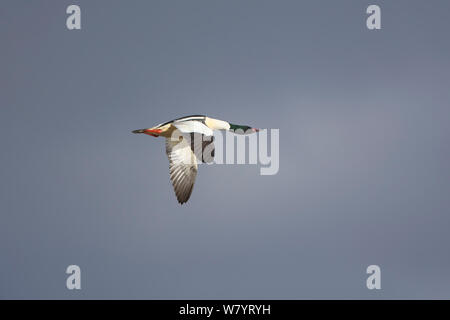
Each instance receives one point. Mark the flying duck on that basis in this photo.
(182, 150)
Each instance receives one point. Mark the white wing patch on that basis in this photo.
(182, 167)
(193, 126)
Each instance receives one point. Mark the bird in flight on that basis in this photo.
(188, 140)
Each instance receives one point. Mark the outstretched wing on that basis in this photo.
(182, 167)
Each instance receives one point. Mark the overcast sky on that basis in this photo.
(364, 149)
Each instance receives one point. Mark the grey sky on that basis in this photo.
(364, 153)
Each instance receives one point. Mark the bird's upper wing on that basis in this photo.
(193, 126)
(182, 167)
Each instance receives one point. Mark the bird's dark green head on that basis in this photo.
(241, 129)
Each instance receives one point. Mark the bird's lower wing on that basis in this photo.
(182, 167)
